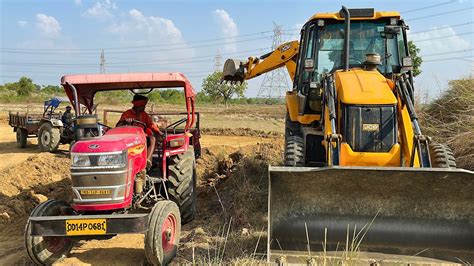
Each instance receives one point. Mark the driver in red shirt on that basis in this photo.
(138, 113)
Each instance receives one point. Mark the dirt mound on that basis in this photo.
(232, 203)
(26, 184)
(450, 120)
(240, 132)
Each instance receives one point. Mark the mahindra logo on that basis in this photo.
(94, 146)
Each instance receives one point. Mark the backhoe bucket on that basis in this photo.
(233, 71)
(392, 210)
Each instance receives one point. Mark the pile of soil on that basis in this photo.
(24, 185)
(232, 203)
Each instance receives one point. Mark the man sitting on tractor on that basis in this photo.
(67, 117)
(137, 113)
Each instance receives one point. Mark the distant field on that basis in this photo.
(268, 118)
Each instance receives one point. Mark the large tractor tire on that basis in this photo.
(294, 151)
(162, 237)
(45, 250)
(291, 128)
(21, 137)
(48, 137)
(442, 156)
(182, 184)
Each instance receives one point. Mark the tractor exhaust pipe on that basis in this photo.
(347, 34)
(76, 99)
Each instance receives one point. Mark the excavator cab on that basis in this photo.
(359, 174)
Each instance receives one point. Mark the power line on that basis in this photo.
(445, 36)
(131, 63)
(427, 7)
(450, 52)
(451, 58)
(441, 14)
(79, 51)
(442, 27)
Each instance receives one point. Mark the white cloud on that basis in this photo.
(437, 41)
(228, 27)
(152, 29)
(101, 10)
(47, 25)
(22, 23)
(78, 2)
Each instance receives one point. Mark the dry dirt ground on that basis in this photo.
(28, 177)
(232, 192)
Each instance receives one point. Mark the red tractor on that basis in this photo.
(113, 192)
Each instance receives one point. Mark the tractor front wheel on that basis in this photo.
(182, 183)
(21, 136)
(162, 237)
(48, 137)
(45, 250)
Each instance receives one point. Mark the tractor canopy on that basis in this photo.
(85, 86)
(55, 101)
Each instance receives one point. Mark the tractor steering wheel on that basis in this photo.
(134, 121)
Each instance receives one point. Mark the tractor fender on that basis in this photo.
(56, 122)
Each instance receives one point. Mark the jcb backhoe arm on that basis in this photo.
(285, 55)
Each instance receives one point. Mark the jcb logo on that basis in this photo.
(370, 127)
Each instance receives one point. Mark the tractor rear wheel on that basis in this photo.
(48, 137)
(21, 135)
(442, 156)
(294, 151)
(162, 237)
(45, 250)
(182, 183)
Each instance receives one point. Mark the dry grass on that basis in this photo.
(450, 120)
(261, 118)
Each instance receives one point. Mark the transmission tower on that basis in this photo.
(275, 82)
(217, 62)
(102, 62)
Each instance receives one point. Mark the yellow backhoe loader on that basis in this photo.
(357, 166)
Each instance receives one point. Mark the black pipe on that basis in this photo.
(384, 232)
(347, 34)
(76, 100)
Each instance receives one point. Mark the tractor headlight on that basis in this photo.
(112, 159)
(80, 160)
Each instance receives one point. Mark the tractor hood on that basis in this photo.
(116, 139)
(363, 87)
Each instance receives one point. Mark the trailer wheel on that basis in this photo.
(182, 183)
(162, 237)
(45, 250)
(21, 135)
(48, 137)
(294, 151)
(442, 156)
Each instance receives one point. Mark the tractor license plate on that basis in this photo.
(95, 191)
(86, 227)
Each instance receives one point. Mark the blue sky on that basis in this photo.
(45, 39)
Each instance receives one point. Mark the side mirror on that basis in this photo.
(389, 31)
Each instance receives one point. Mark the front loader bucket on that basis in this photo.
(233, 71)
(404, 210)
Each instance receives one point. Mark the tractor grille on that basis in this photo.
(370, 128)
